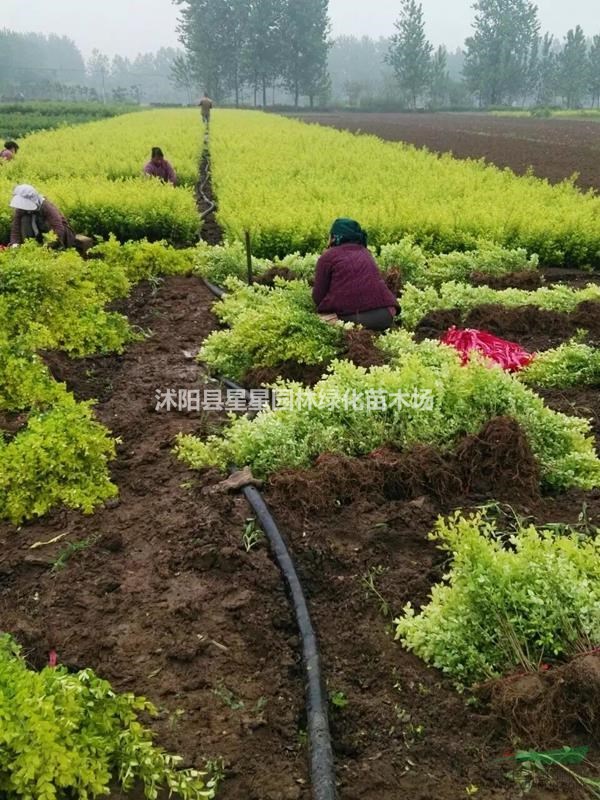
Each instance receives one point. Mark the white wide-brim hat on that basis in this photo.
(26, 198)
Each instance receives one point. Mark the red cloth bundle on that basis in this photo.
(509, 355)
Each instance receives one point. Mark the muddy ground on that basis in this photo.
(553, 148)
(166, 601)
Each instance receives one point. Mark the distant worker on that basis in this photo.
(348, 285)
(33, 216)
(10, 150)
(205, 106)
(159, 167)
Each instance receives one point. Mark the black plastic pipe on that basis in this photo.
(216, 290)
(322, 769)
(321, 753)
(211, 205)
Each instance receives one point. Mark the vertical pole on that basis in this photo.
(249, 258)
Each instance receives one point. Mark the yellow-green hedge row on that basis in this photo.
(286, 181)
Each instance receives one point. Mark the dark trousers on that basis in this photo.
(379, 319)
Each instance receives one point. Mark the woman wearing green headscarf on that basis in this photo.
(348, 283)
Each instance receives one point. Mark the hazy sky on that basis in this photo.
(130, 26)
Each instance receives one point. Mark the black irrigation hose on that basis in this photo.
(321, 753)
(216, 290)
(210, 204)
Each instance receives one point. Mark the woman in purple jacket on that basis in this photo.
(348, 283)
(159, 167)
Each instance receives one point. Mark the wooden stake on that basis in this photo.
(249, 258)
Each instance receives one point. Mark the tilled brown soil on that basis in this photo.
(554, 149)
(166, 601)
(534, 328)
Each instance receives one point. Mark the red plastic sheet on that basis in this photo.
(509, 355)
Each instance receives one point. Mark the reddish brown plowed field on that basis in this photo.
(554, 148)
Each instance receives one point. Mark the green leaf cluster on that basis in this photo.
(54, 300)
(416, 303)
(143, 260)
(229, 260)
(505, 603)
(430, 269)
(72, 734)
(572, 364)
(464, 399)
(60, 458)
(266, 327)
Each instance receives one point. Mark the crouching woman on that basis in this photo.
(348, 284)
(33, 216)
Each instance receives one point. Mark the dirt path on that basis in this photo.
(553, 148)
(166, 602)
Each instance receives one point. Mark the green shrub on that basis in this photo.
(463, 399)
(66, 734)
(315, 174)
(433, 269)
(268, 326)
(143, 260)
(572, 364)
(55, 300)
(505, 604)
(60, 458)
(417, 303)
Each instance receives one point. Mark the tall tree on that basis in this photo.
(182, 74)
(305, 31)
(356, 67)
(98, 69)
(440, 78)
(410, 52)
(264, 49)
(546, 75)
(498, 54)
(594, 71)
(573, 68)
(214, 32)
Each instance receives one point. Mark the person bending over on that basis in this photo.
(10, 150)
(159, 167)
(33, 216)
(348, 283)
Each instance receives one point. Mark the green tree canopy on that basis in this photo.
(498, 54)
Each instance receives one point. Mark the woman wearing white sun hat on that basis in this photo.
(33, 216)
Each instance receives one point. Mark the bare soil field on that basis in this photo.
(554, 148)
(166, 601)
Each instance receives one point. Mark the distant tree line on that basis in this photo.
(279, 52)
(506, 61)
(233, 45)
(39, 67)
